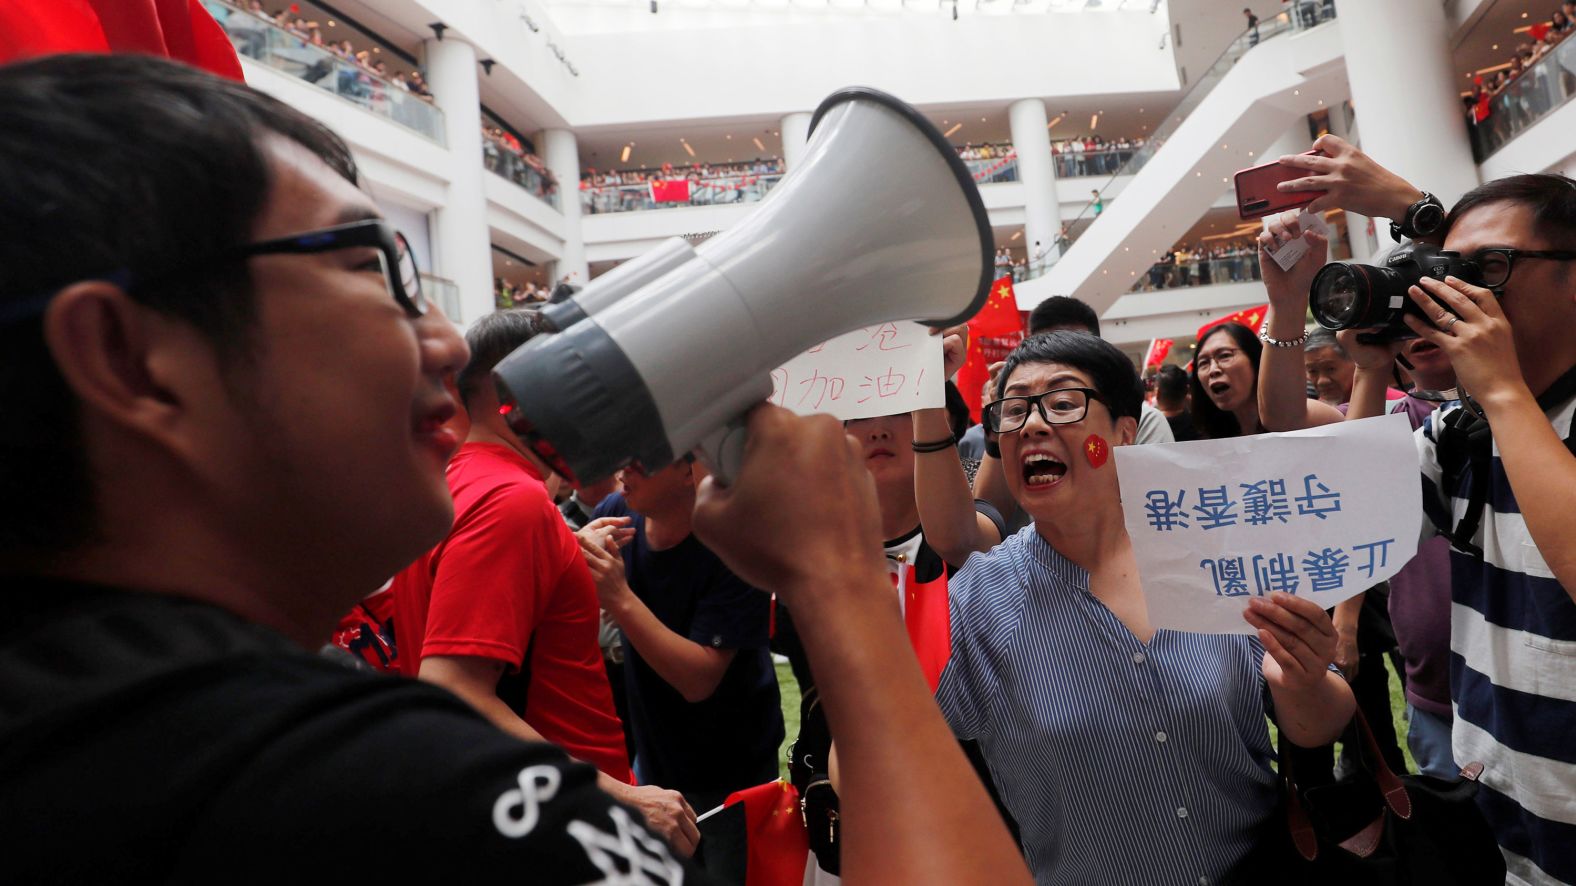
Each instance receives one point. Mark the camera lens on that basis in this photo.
(1339, 298)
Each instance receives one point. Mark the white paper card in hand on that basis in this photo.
(1296, 248)
(878, 370)
(1323, 513)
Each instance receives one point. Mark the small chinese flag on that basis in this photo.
(177, 29)
(1249, 317)
(1158, 349)
(999, 316)
(677, 191)
(779, 849)
(1538, 31)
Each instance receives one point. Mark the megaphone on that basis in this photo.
(880, 221)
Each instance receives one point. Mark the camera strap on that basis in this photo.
(1466, 442)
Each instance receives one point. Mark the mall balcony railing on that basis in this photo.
(677, 193)
(506, 162)
(1242, 267)
(260, 39)
(1300, 16)
(1543, 88)
(994, 170)
(1079, 164)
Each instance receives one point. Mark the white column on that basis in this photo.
(796, 133)
(1356, 225)
(1042, 212)
(1406, 92)
(461, 243)
(562, 153)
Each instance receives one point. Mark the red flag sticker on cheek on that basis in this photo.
(1096, 450)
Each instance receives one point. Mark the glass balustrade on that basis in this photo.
(677, 193)
(261, 40)
(1544, 87)
(518, 168)
(1240, 267)
(994, 171)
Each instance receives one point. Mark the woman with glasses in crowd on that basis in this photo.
(1101, 732)
(1225, 382)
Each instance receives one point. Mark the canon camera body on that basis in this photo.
(1352, 295)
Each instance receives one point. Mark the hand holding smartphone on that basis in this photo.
(1257, 195)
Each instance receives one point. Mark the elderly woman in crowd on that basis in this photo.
(1102, 732)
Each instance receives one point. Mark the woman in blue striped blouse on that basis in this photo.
(1127, 754)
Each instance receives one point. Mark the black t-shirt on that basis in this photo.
(145, 738)
(728, 741)
(1182, 427)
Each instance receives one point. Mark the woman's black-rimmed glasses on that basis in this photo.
(1058, 407)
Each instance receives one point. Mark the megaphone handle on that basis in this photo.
(722, 452)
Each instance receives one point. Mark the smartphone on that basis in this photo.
(1258, 197)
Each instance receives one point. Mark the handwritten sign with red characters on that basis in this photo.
(877, 370)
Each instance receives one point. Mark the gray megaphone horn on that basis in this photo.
(880, 221)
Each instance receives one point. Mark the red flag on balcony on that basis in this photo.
(1538, 31)
(1249, 317)
(999, 316)
(778, 849)
(677, 191)
(1158, 349)
(177, 29)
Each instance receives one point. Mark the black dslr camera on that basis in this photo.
(1350, 295)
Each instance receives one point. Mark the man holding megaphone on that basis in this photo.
(224, 395)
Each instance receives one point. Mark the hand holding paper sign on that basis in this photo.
(1323, 513)
(878, 370)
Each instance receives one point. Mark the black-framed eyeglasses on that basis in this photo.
(1496, 262)
(395, 259)
(1058, 407)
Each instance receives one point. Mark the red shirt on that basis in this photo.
(510, 579)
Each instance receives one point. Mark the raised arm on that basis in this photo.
(1283, 397)
(802, 521)
(1351, 180)
(941, 490)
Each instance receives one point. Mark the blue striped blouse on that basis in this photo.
(1122, 762)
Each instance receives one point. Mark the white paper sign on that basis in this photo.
(874, 371)
(1323, 513)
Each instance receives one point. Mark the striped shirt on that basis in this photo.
(1512, 668)
(1122, 762)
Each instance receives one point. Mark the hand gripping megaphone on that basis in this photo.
(880, 221)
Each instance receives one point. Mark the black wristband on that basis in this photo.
(992, 448)
(934, 446)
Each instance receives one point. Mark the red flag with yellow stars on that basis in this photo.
(1249, 317)
(999, 316)
(1159, 348)
(778, 848)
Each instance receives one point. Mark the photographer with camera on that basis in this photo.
(1499, 468)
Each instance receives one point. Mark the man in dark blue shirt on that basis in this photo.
(703, 701)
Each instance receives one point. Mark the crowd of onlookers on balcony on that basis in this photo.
(1201, 265)
(1092, 155)
(505, 154)
(313, 33)
(508, 295)
(1503, 101)
(694, 172)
